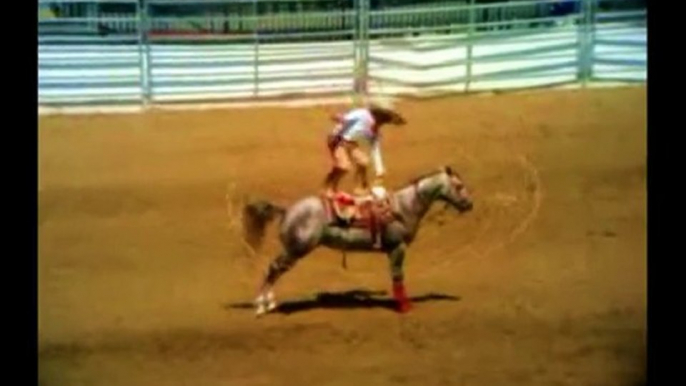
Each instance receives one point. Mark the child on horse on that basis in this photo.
(362, 124)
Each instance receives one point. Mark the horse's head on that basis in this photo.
(453, 190)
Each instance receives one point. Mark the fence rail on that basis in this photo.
(151, 51)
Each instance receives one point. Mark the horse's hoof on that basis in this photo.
(264, 309)
(272, 306)
(261, 311)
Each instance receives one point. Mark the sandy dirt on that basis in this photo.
(143, 279)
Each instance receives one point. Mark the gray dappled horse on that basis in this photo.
(307, 224)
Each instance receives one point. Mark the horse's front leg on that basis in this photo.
(396, 258)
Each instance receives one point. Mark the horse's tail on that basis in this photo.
(256, 216)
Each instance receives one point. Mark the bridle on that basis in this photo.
(420, 198)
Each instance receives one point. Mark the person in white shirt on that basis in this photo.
(359, 125)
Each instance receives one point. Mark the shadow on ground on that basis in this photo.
(354, 299)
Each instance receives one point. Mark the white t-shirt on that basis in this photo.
(358, 125)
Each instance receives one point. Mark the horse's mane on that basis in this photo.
(423, 176)
(430, 174)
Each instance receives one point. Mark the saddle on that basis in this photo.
(362, 212)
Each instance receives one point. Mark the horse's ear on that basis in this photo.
(448, 170)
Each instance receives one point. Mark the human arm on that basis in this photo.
(376, 157)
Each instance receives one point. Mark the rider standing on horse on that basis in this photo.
(358, 125)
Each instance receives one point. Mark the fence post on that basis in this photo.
(365, 46)
(356, 43)
(592, 10)
(256, 50)
(92, 11)
(470, 42)
(361, 48)
(144, 51)
(586, 37)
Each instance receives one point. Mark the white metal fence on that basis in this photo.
(398, 50)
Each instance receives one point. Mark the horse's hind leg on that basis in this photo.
(265, 301)
(300, 233)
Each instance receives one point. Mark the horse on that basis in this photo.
(307, 224)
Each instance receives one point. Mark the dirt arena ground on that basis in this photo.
(143, 279)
